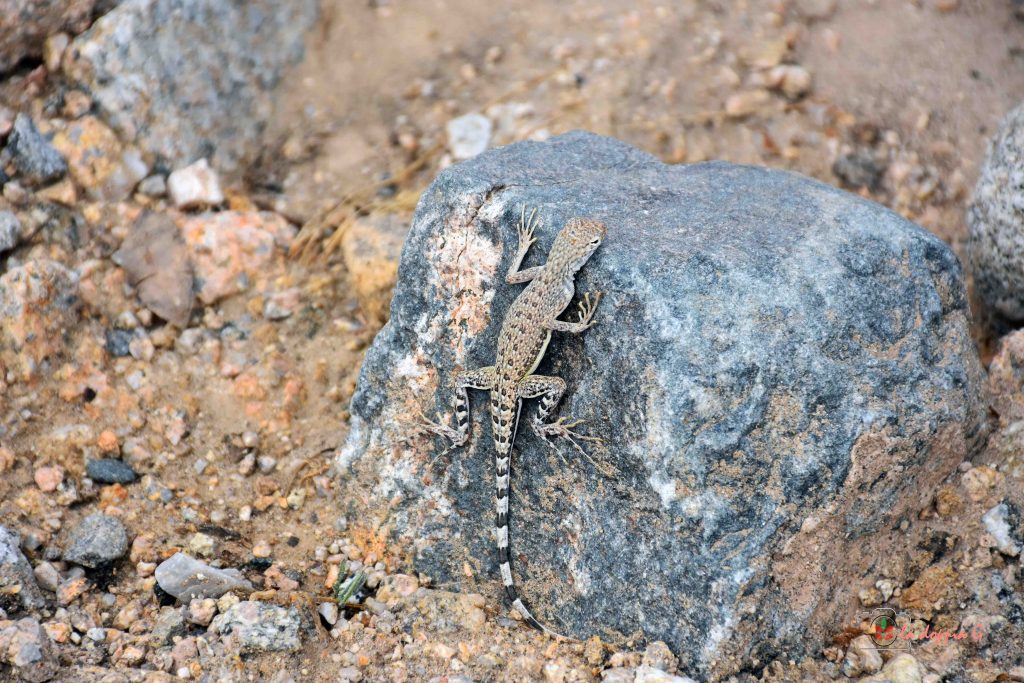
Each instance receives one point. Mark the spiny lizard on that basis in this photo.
(522, 341)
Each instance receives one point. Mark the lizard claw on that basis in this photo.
(564, 427)
(587, 308)
(526, 227)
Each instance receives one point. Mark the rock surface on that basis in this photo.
(26, 649)
(18, 589)
(10, 231)
(995, 220)
(212, 99)
(97, 540)
(38, 304)
(252, 626)
(35, 159)
(780, 369)
(25, 25)
(186, 578)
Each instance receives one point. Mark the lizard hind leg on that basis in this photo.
(550, 391)
(481, 378)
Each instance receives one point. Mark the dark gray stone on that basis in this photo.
(18, 588)
(34, 157)
(117, 342)
(186, 79)
(95, 541)
(110, 471)
(167, 624)
(781, 371)
(995, 221)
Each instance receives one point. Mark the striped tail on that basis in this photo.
(504, 432)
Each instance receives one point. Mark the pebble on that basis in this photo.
(282, 304)
(202, 611)
(195, 186)
(49, 478)
(53, 50)
(38, 303)
(169, 622)
(97, 161)
(97, 540)
(10, 231)
(110, 471)
(37, 162)
(469, 135)
(746, 103)
(153, 186)
(329, 611)
(996, 523)
(187, 578)
(16, 575)
(903, 668)
(261, 549)
(253, 626)
(862, 657)
(47, 576)
(792, 79)
(76, 104)
(201, 544)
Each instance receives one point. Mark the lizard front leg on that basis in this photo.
(586, 320)
(526, 226)
(482, 378)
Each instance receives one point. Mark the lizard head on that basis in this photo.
(578, 240)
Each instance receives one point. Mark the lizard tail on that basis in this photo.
(501, 526)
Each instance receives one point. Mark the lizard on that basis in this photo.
(522, 341)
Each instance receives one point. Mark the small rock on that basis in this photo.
(96, 634)
(97, 540)
(745, 103)
(10, 231)
(252, 626)
(195, 186)
(862, 657)
(25, 646)
(97, 161)
(792, 79)
(156, 260)
(47, 576)
(997, 523)
(186, 578)
(857, 170)
(469, 135)
(69, 590)
(53, 50)
(38, 163)
(659, 656)
(117, 341)
(110, 471)
(169, 622)
(18, 589)
(153, 186)
(903, 668)
(232, 248)
(49, 478)
(107, 441)
(281, 304)
(62, 192)
(329, 611)
(201, 544)
(261, 549)
(202, 611)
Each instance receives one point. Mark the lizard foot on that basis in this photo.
(456, 437)
(564, 427)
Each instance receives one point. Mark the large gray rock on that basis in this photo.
(186, 79)
(782, 371)
(96, 541)
(18, 589)
(995, 220)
